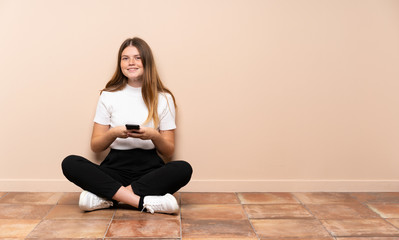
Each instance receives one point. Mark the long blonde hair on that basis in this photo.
(152, 84)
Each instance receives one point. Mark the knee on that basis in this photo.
(188, 168)
(185, 170)
(68, 164)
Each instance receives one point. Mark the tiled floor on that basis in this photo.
(317, 216)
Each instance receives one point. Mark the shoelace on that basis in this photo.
(103, 203)
(151, 207)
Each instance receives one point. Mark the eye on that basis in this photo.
(124, 58)
(138, 57)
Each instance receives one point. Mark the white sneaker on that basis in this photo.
(161, 204)
(89, 202)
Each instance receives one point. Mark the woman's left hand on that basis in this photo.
(144, 133)
(164, 141)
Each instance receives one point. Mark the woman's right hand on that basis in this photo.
(103, 136)
(119, 132)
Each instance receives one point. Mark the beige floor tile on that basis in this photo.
(360, 228)
(213, 211)
(277, 211)
(213, 229)
(267, 198)
(209, 198)
(16, 228)
(71, 198)
(341, 211)
(74, 212)
(385, 210)
(394, 222)
(289, 228)
(18, 211)
(31, 198)
(130, 213)
(325, 198)
(387, 197)
(144, 228)
(70, 228)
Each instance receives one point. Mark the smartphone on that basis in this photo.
(132, 127)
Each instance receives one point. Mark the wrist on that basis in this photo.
(156, 135)
(113, 133)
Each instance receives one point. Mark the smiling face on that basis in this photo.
(132, 66)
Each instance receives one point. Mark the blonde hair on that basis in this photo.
(152, 84)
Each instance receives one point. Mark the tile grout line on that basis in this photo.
(180, 218)
(385, 219)
(4, 195)
(246, 214)
(318, 220)
(361, 203)
(365, 204)
(381, 217)
(43, 218)
(109, 224)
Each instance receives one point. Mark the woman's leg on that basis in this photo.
(166, 179)
(155, 188)
(90, 176)
(126, 195)
(107, 182)
(98, 180)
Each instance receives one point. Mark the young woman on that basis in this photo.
(137, 171)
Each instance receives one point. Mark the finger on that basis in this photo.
(135, 135)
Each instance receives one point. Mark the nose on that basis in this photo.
(132, 61)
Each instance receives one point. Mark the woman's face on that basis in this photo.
(131, 64)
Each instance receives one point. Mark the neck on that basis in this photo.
(135, 82)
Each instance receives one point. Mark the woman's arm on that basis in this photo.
(103, 136)
(165, 144)
(164, 141)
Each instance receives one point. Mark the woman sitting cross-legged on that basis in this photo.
(135, 117)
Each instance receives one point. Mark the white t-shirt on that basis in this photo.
(127, 107)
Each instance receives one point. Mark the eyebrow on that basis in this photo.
(128, 55)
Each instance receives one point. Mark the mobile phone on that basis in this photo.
(132, 127)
